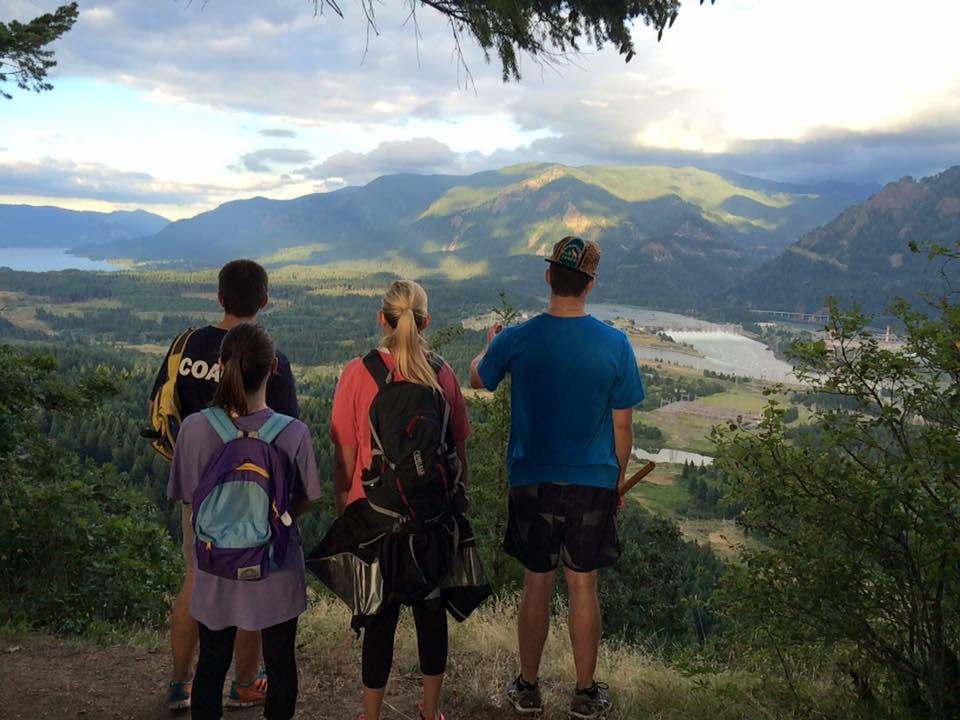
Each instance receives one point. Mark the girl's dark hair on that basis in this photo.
(247, 353)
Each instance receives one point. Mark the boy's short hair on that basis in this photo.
(566, 282)
(242, 287)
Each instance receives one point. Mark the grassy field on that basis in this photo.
(682, 432)
(745, 398)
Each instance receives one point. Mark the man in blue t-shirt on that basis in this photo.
(575, 382)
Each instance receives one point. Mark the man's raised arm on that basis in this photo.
(476, 381)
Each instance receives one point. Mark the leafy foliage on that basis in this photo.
(23, 57)
(862, 513)
(706, 486)
(77, 544)
(658, 591)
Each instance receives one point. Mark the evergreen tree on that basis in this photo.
(24, 57)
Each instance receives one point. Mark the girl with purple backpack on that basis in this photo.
(247, 473)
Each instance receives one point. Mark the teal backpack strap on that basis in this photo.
(274, 425)
(221, 422)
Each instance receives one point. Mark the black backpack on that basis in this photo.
(415, 471)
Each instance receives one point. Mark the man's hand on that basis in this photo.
(475, 381)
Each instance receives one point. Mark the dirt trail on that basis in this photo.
(46, 678)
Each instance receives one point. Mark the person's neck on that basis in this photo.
(257, 401)
(567, 306)
(230, 321)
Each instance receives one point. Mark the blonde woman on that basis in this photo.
(412, 401)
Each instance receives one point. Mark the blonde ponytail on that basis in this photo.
(405, 310)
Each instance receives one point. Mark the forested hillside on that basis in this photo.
(864, 255)
(37, 227)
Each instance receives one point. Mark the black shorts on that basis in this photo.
(574, 523)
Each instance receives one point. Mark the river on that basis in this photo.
(723, 348)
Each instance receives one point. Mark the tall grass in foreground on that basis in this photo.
(483, 658)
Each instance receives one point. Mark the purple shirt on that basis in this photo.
(252, 605)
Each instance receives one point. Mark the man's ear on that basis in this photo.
(546, 274)
(382, 321)
(589, 287)
(263, 303)
(220, 298)
(275, 365)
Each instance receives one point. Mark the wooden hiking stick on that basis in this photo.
(639, 475)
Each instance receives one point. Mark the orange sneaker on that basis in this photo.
(243, 696)
(178, 697)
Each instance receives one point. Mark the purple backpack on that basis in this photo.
(241, 505)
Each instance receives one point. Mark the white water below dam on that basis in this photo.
(669, 455)
(723, 349)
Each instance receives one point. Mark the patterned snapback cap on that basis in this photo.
(576, 254)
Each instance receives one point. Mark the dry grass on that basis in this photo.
(128, 668)
(483, 658)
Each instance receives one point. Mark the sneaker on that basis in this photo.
(524, 697)
(242, 696)
(592, 704)
(179, 694)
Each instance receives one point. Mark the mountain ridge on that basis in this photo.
(48, 226)
(864, 254)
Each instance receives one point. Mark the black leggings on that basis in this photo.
(216, 652)
(431, 622)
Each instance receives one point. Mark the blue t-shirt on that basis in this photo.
(567, 376)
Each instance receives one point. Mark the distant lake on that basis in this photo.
(725, 351)
(44, 259)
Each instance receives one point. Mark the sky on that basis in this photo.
(177, 106)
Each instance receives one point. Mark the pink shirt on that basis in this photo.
(350, 419)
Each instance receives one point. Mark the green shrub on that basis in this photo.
(78, 546)
(657, 592)
(861, 512)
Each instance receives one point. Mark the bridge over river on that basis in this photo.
(818, 318)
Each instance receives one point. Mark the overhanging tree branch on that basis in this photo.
(24, 58)
(547, 30)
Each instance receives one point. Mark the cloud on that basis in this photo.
(52, 177)
(260, 161)
(826, 154)
(731, 87)
(278, 133)
(419, 155)
(277, 60)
